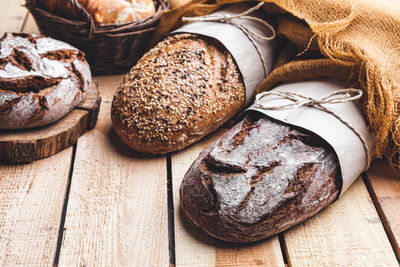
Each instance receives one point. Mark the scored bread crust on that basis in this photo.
(259, 179)
(41, 80)
(181, 90)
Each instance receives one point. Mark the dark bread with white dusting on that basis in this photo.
(41, 80)
(181, 90)
(261, 178)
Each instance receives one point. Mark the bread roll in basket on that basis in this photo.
(112, 37)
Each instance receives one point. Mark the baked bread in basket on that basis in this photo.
(113, 33)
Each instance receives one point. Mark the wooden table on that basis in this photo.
(99, 204)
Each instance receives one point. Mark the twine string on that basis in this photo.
(298, 100)
(235, 21)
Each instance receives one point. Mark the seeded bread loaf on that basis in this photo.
(41, 80)
(260, 178)
(181, 90)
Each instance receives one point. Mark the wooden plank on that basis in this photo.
(31, 196)
(117, 207)
(194, 248)
(347, 233)
(31, 202)
(12, 15)
(384, 185)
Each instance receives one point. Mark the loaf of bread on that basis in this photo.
(260, 178)
(184, 88)
(104, 11)
(41, 80)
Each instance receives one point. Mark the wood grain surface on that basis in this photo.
(32, 198)
(117, 206)
(347, 233)
(384, 186)
(13, 15)
(195, 248)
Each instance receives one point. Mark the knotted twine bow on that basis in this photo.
(235, 21)
(338, 96)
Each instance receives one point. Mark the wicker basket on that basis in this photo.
(109, 49)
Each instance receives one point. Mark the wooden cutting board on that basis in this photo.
(27, 145)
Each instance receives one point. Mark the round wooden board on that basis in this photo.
(27, 145)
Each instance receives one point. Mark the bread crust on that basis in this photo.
(104, 11)
(181, 90)
(259, 179)
(41, 80)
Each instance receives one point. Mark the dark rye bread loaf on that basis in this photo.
(41, 80)
(259, 179)
(181, 90)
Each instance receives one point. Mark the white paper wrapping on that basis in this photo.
(348, 147)
(239, 45)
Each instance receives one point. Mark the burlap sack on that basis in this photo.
(358, 41)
